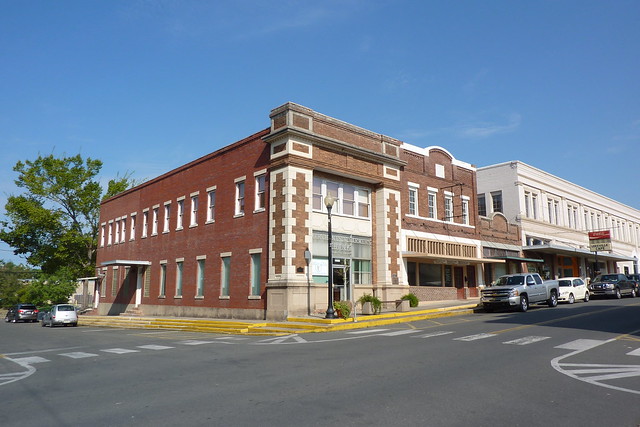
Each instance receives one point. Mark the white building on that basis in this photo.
(555, 217)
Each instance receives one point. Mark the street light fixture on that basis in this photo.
(331, 314)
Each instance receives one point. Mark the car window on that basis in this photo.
(530, 281)
(578, 282)
(28, 307)
(516, 280)
(564, 282)
(538, 279)
(609, 278)
(66, 308)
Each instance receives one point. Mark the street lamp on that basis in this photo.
(328, 202)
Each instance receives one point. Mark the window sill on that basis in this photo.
(177, 297)
(211, 221)
(254, 297)
(193, 225)
(259, 210)
(199, 297)
(162, 296)
(224, 297)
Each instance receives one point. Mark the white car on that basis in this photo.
(572, 289)
(61, 314)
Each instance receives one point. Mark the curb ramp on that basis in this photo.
(293, 325)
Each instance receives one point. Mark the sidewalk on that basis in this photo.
(293, 325)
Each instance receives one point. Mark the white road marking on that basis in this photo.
(78, 355)
(581, 344)
(154, 347)
(635, 352)
(475, 337)
(526, 340)
(232, 338)
(23, 361)
(402, 332)
(195, 342)
(434, 334)
(288, 339)
(367, 331)
(120, 350)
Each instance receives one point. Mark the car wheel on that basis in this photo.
(571, 299)
(553, 299)
(14, 320)
(524, 303)
(618, 295)
(586, 297)
(74, 324)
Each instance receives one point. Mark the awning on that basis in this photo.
(519, 259)
(569, 251)
(124, 262)
(440, 259)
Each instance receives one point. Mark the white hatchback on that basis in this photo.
(572, 289)
(61, 314)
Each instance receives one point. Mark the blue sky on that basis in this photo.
(147, 86)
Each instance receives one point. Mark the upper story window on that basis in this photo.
(194, 211)
(432, 205)
(145, 223)
(211, 205)
(123, 230)
(180, 214)
(413, 200)
(261, 193)
(154, 224)
(350, 200)
(482, 205)
(110, 239)
(465, 210)
(240, 198)
(102, 234)
(496, 200)
(117, 236)
(133, 227)
(167, 217)
(448, 207)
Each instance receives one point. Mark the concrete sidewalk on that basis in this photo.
(293, 325)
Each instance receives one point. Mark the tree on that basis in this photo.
(13, 279)
(55, 221)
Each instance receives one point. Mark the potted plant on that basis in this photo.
(370, 304)
(412, 298)
(343, 309)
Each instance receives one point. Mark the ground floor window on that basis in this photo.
(226, 276)
(255, 274)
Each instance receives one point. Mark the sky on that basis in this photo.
(147, 86)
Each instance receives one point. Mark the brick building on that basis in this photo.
(242, 232)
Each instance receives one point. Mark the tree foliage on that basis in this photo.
(13, 280)
(55, 221)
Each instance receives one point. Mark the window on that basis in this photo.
(431, 201)
(211, 205)
(350, 200)
(145, 223)
(180, 214)
(123, 230)
(163, 278)
(200, 284)
(534, 206)
(154, 224)
(413, 201)
(117, 235)
(179, 266)
(114, 282)
(240, 198)
(361, 271)
(527, 209)
(260, 192)
(556, 212)
(448, 207)
(226, 276)
(194, 211)
(110, 239)
(550, 209)
(167, 217)
(496, 198)
(465, 211)
(482, 205)
(102, 234)
(255, 274)
(133, 227)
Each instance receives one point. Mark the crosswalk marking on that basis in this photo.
(29, 360)
(78, 355)
(195, 342)
(154, 347)
(402, 332)
(367, 331)
(581, 344)
(434, 334)
(119, 350)
(526, 340)
(230, 338)
(635, 352)
(475, 337)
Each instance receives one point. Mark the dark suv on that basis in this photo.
(24, 312)
(613, 285)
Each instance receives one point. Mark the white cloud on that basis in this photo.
(483, 128)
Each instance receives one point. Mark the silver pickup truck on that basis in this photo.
(519, 291)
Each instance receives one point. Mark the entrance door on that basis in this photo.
(139, 286)
(341, 290)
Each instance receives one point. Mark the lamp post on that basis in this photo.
(331, 314)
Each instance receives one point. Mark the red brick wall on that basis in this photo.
(227, 234)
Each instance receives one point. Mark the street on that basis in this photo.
(574, 365)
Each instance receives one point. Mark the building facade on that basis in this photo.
(555, 218)
(243, 232)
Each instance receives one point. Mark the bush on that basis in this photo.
(343, 308)
(376, 304)
(413, 300)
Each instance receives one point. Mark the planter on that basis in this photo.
(367, 308)
(402, 305)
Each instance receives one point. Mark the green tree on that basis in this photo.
(13, 280)
(49, 289)
(55, 221)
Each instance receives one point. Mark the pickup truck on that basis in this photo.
(519, 291)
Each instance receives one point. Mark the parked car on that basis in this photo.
(518, 291)
(61, 314)
(22, 312)
(635, 278)
(613, 285)
(572, 289)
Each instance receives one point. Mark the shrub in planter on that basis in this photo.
(376, 304)
(343, 308)
(413, 299)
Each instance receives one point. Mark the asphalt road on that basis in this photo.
(575, 365)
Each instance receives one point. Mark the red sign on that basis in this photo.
(599, 235)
